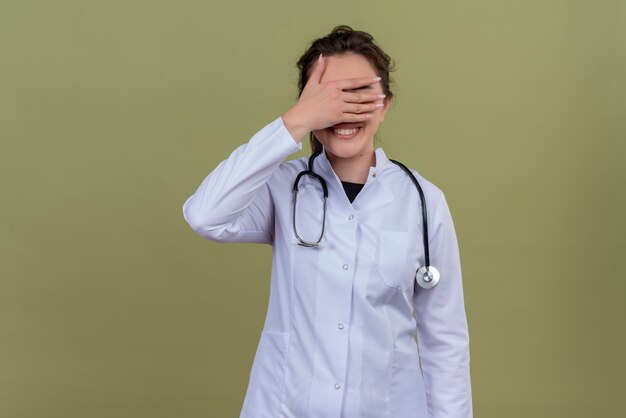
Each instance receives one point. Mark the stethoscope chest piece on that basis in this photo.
(427, 278)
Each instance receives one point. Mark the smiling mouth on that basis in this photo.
(345, 133)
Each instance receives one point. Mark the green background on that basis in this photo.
(112, 113)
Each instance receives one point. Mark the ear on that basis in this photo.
(384, 109)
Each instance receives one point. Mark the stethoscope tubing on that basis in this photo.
(426, 276)
(424, 212)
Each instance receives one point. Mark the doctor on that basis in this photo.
(339, 334)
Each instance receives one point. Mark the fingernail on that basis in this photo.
(376, 78)
(319, 58)
(381, 95)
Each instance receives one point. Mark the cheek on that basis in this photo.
(318, 134)
(322, 133)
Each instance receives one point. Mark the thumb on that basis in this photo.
(318, 70)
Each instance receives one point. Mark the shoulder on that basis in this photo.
(287, 171)
(397, 174)
(295, 165)
(291, 168)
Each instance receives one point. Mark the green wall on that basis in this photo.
(112, 113)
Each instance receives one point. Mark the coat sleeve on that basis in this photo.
(442, 331)
(233, 203)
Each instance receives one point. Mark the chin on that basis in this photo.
(344, 149)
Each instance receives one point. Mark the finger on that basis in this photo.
(352, 83)
(359, 108)
(353, 117)
(318, 70)
(361, 97)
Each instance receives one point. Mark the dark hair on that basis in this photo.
(343, 39)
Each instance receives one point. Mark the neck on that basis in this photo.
(355, 169)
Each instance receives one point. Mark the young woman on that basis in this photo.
(339, 338)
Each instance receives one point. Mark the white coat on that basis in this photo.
(339, 334)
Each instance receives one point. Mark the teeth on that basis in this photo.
(345, 131)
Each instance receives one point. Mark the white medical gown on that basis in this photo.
(339, 334)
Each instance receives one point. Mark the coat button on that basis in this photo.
(340, 325)
(337, 386)
(351, 217)
(345, 267)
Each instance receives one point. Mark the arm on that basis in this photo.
(233, 203)
(442, 332)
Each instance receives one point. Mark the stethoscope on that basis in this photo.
(426, 276)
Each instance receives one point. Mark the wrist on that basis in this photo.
(293, 123)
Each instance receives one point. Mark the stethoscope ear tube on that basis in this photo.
(319, 178)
